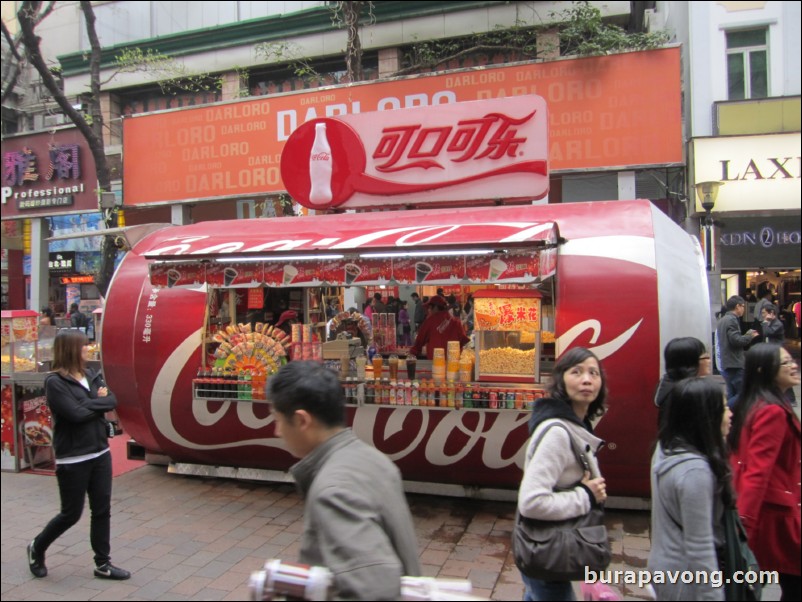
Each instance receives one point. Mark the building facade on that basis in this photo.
(601, 127)
(741, 69)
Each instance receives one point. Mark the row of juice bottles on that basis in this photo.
(216, 383)
(432, 394)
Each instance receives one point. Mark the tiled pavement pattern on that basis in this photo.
(188, 538)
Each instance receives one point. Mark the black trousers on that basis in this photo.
(75, 481)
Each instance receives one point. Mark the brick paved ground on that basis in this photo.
(188, 538)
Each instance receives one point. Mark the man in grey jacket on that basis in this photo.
(731, 346)
(356, 519)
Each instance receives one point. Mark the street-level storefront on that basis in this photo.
(756, 212)
(50, 188)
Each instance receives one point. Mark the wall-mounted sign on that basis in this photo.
(760, 242)
(508, 310)
(62, 262)
(48, 174)
(77, 279)
(601, 114)
(489, 149)
(759, 172)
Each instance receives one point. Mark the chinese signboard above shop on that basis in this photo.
(611, 111)
(47, 174)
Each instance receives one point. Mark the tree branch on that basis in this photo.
(467, 51)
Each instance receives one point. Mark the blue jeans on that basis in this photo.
(75, 481)
(733, 377)
(538, 589)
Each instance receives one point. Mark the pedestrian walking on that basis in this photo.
(766, 456)
(690, 489)
(78, 400)
(555, 486)
(356, 519)
(684, 357)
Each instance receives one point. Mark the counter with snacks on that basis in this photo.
(26, 434)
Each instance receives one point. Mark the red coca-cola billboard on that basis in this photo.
(628, 280)
(468, 151)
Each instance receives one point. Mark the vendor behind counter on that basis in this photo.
(438, 328)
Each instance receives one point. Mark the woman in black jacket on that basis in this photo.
(78, 400)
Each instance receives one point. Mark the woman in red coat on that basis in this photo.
(766, 455)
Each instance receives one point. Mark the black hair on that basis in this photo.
(761, 366)
(568, 360)
(734, 302)
(74, 307)
(377, 296)
(692, 421)
(682, 357)
(415, 296)
(310, 386)
(772, 309)
(46, 311)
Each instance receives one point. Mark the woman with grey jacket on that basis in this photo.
(555, 486)
(690, 490)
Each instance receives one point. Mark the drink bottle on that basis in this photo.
(320, 168)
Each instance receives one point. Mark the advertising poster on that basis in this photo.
(435, 270)
(503, 268)
(246, 274)
(357, 271)
(292, 273)
(7, 431)
(36, 424)
(177, 274)
(601, 113)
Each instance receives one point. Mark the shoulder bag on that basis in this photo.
(561, 550)
(737, 556)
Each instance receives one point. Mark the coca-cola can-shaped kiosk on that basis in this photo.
(618, 277)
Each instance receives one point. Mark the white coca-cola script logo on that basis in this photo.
(406, 236)
(491, 435)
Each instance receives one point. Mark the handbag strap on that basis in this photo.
(580, 455)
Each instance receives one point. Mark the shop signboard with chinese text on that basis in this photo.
(507, 310)
(48, 174)
(62, 262)
(469, 151)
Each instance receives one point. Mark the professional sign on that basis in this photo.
(607, 111)
(760, 242)
(759, 172)
(48, 174)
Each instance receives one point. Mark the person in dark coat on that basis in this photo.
(773, 329)
(78, 400)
